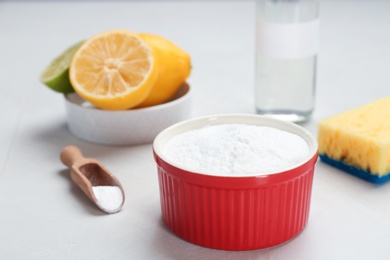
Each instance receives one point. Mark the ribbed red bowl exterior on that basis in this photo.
(235, 213)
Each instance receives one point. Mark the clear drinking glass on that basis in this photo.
(286, 57)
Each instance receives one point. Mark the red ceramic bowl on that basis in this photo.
(235, 213)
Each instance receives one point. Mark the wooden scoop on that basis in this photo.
(87, 173)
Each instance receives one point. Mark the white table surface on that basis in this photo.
(44, 216)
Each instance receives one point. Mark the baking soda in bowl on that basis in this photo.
(235, 181)
(236, 150)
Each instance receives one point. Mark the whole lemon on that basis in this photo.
(174, 68)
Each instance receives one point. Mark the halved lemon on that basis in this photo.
(114, 70)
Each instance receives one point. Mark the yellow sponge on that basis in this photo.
(358, 141)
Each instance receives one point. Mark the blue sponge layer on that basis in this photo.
(355, 171)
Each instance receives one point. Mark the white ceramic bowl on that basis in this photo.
(128, 127)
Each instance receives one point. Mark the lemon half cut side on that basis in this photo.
(113, 70)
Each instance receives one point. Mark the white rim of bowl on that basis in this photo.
(164, 136)
(170, 103)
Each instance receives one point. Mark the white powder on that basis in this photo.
(236, 150)
(108, 198)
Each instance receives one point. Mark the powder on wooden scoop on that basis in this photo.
(236, 150)
(108, 198)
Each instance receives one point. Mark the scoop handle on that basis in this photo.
(70, 154)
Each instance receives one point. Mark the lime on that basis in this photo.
(56, 75)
